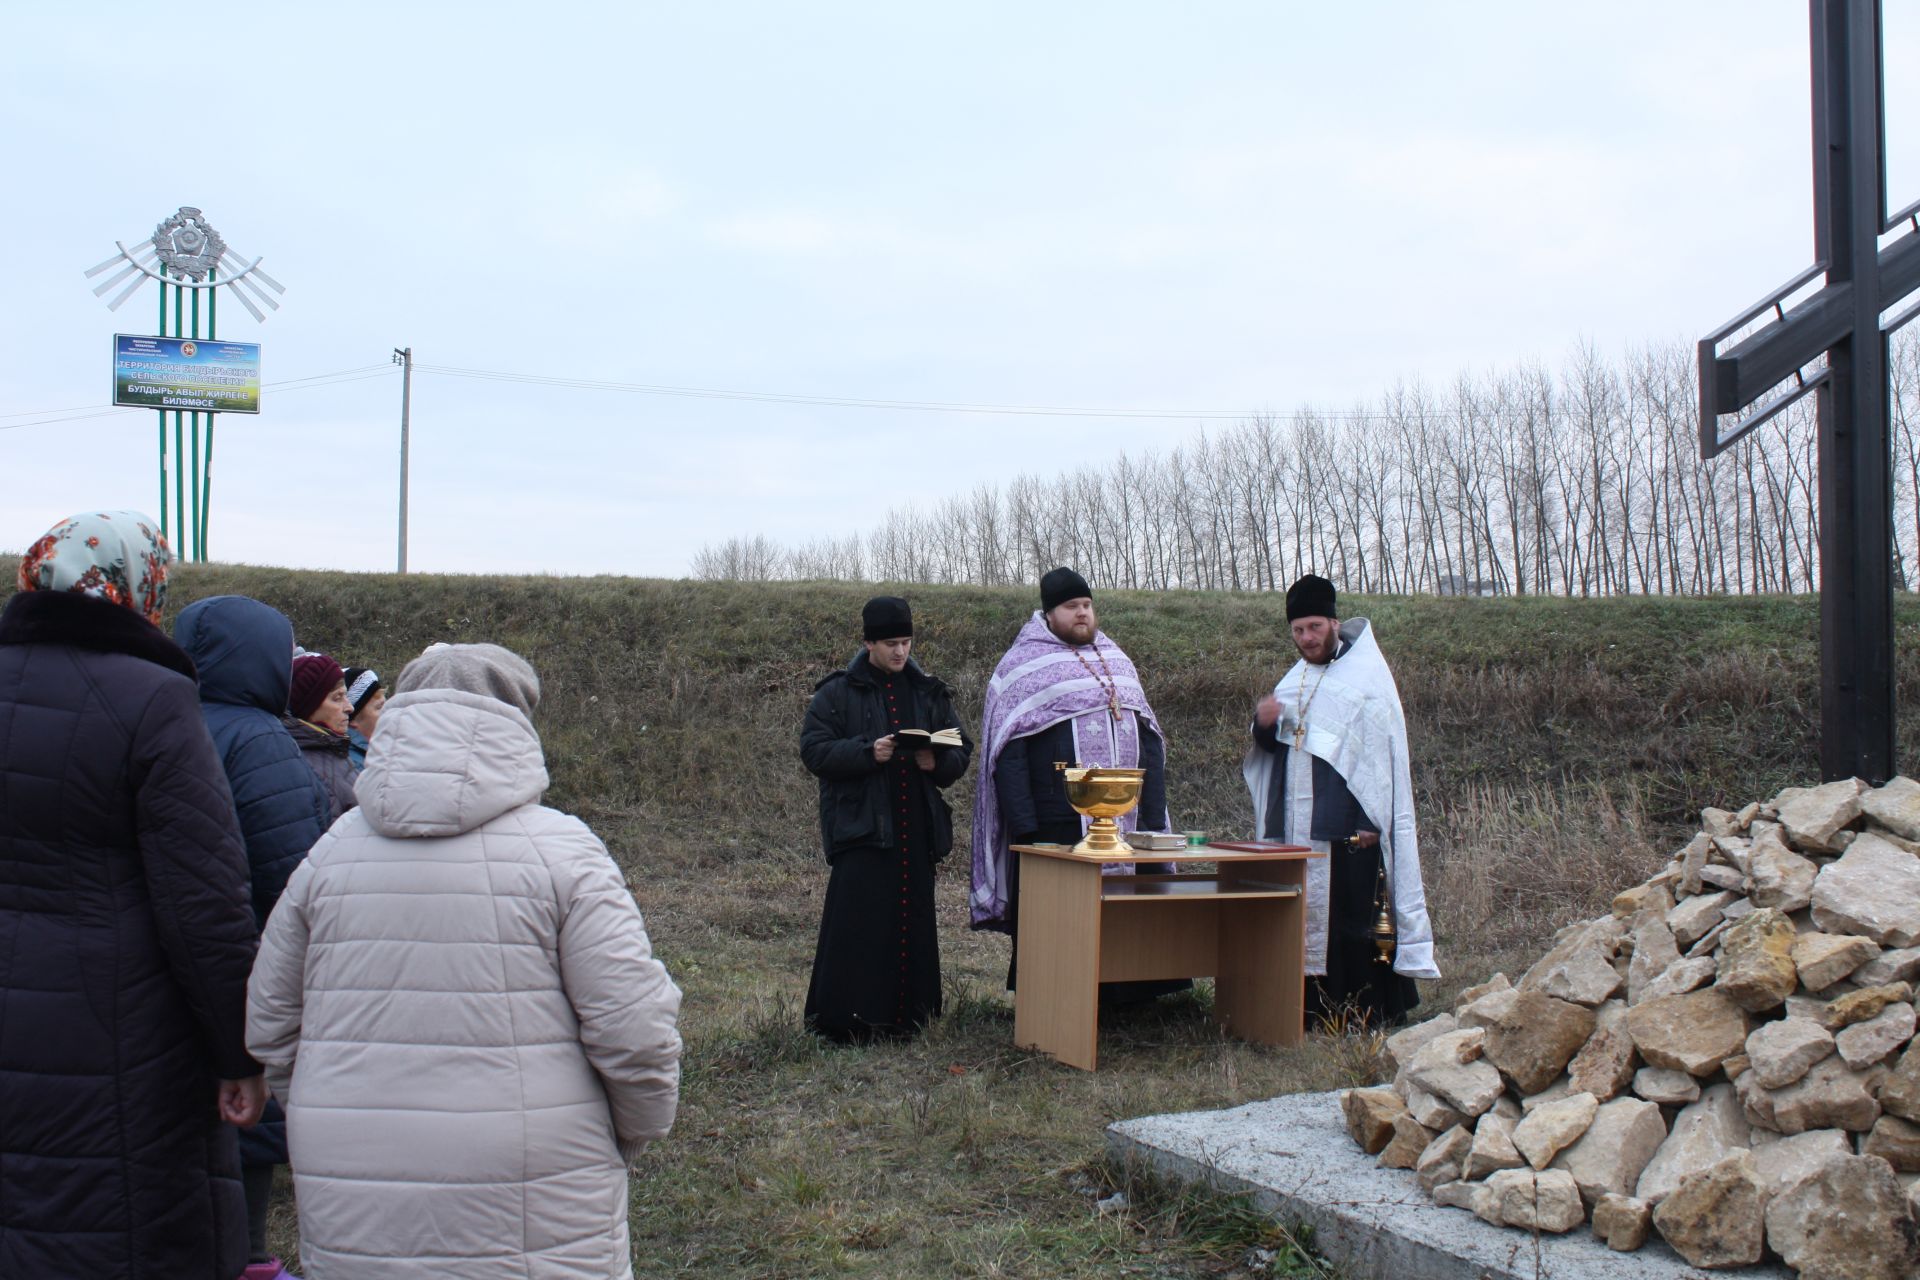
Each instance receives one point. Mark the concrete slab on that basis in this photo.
(1293, 1156)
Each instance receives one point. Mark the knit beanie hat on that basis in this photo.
(362, 684)
(1311, 597)
(886, 618)
(486, 669)
(314, 676)
(1061, 585)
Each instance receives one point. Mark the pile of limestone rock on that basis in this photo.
(1725, 1058)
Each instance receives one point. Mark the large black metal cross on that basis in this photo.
(1833, 343)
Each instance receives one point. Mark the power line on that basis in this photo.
(832, 401)
(81, 413)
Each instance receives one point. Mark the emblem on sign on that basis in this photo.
(188, 244)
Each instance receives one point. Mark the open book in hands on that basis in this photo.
(916, 739)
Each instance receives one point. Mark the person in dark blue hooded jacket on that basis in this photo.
(244, 652)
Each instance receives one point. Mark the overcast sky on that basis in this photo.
(1223, 207)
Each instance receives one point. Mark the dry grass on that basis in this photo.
(1561, 750)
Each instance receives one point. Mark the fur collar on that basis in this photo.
(61, 617)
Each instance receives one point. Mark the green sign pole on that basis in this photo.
(163, 414)
(180, 438)
(197, 554)
(206, 473)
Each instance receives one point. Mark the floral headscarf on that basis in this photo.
(117, 556)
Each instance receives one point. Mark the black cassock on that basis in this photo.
(1356, 986)
(876, 968)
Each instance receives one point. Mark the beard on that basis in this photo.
(1322, 653)
(1077, 633)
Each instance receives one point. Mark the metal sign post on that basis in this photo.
(1832, 344)
(186, 256)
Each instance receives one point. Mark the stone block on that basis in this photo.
(1403, 1044)
(1692, 918)
(1902, 964)
(1825, 958)
(1579, 969)
(1704, 1133)
(1450, 1068)
(1370, 1114)
(1498, 982)
(1621, 1222)
(1896, 1141)
(1779, 1053)
(1777, 876)
(1691, 859)
(1878, 1038)
(1654, 896)
(1756, 961)
(1534, 1038)
(1783, 1162)
(1615, 1149)
(1900, 1092)
(1814, 817)
(1895, 806)
(1830, 1096)
(1410, 1139)
(1848, 1221)
(1694, 1032)
(1664, 1085)
(1682, 976)
(1873, 891)
(1492, 1148)
(1545, 1130)
(1716, 1216)
(1433, 1113)
(1442, 1160)
(1548, 1202)
(1605, 1064)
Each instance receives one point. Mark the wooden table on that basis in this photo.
(1243, 925)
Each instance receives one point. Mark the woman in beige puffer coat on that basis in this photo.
(458, 1006)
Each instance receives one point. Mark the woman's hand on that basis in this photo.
(242, 1102)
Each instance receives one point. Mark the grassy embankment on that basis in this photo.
(1561, 748)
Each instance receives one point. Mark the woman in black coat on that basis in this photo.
(126, 932)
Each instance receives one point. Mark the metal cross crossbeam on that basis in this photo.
(1833, 344)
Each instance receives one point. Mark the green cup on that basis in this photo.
(1195, 838)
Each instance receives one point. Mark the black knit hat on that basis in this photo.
(1061, 585)
(1311, 597)
(887, 618)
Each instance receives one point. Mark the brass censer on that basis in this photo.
(1102, 794)
(1385, 938)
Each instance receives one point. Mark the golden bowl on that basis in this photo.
(1103, 794)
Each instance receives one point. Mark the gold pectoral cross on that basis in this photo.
(1113, 706)
(1299, 737)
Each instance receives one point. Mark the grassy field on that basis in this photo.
(1561, 749)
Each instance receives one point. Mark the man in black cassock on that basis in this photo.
(883, 825)
(1328, 769)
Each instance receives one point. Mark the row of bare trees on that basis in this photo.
(1585, 480)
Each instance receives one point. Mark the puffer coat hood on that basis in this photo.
(408, 787)
(457, 1001)
(243, 649)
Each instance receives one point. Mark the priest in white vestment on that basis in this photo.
(1328, 768)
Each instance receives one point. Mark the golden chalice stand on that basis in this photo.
(1233, 912)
